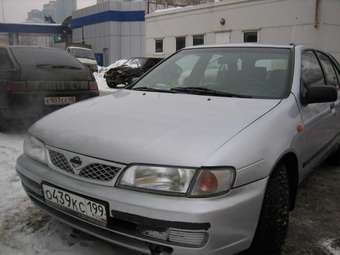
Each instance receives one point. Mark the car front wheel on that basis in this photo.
(272, 227)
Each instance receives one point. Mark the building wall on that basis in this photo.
(277, 22)
(35, 16)
(29, 34)
(49, 10)
(114, 39)
(64, 9)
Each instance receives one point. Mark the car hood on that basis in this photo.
(148, 127)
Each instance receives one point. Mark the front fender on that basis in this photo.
(255, 151)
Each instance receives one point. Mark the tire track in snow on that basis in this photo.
(331, 246)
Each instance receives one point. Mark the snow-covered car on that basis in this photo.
(125, 72)
(35, 81)
(104, 69)
(119, 62)
(201, 165)
(85, 56)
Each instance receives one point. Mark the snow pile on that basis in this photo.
(104, 89)
(27, 230)
(104, 69)
(169, 9)
(10, 188)
(116, 64)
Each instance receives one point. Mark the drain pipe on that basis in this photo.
(317, 14)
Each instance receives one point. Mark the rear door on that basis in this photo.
(318, 118)
(334, 79)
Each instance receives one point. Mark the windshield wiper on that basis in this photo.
(207, 91)
(153, 89)
(58, 66)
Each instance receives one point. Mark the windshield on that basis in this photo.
(82, 53)
(249, 72)
(45, 57)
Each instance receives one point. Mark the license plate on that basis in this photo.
(81, 206)
(59, 100)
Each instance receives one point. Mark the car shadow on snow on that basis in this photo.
(29, 230)
(317, 214)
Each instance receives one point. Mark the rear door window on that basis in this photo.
(337, 70)
(6, 62)
(329, 70)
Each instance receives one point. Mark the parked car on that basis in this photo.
(125, 73)
(206, 158)
(102, 70)
(36, 81)
(119, 62)
(85, 56)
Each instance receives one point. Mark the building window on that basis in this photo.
(198, 40)
(250, 36)
(159, 45)
(180, 42)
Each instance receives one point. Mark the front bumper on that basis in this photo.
(230, 220)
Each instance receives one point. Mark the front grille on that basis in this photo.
(93, 171)
(99, 172)
(60, 161)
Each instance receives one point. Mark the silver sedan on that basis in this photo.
(201, 155)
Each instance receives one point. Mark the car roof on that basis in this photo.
(243, 45)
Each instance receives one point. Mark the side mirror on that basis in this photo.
(319, 94)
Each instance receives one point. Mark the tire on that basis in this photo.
(272, 228)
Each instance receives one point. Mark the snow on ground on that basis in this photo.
(170, 9)
(27, 230)
(332, 246)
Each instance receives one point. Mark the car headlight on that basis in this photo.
(213, 181)
(35, 149)
(176, 180)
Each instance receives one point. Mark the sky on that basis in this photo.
(16, 10)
